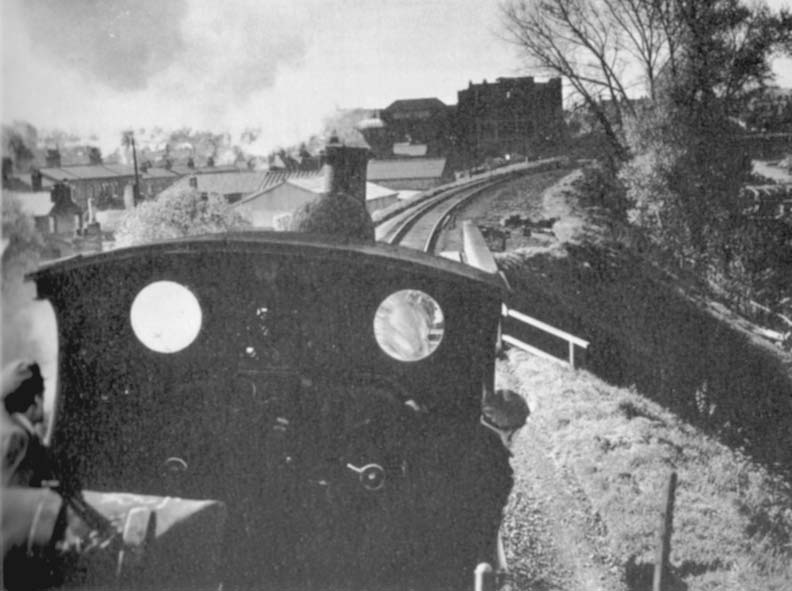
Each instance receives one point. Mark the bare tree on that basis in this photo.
(604, 48)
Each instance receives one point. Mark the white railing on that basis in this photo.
(571, 339)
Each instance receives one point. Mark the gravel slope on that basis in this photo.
(554, 539)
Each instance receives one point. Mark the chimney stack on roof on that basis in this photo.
(35, 179)
(345, 170)
(94, 155)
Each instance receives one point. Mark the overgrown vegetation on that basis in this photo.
(677, 151)
(733, 518)
(187, 213)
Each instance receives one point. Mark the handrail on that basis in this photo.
(546, 327)
(569, 338)
(531, 349)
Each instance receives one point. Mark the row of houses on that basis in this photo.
(104, 185)
(76, 207)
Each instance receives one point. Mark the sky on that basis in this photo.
(100, 66)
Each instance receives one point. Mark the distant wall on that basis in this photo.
(408, 184)
(373, 205)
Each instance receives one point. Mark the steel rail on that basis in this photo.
(427, 210)
(442, 221)
(395, 228)
(400, 225)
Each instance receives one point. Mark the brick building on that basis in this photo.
(511, 115)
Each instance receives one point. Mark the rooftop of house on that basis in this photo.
(276, 177)
(183, 169)
(418, 104)
(316, 184)
(241, 183)
(84, 172)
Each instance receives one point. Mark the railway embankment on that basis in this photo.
(672, 382)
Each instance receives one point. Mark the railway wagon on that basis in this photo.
(270, 410)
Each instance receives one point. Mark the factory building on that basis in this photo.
(511, 115)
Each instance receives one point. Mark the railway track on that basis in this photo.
(420, 226)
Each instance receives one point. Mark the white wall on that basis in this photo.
(283, 199)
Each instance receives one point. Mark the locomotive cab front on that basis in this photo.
(327, 394)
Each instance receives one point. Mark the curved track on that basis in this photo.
(420, 226)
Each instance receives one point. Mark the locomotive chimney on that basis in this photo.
(345, 170)
(340, 210)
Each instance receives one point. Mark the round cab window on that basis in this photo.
(408, 325)
(166, 316)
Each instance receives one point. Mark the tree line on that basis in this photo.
(666, 82)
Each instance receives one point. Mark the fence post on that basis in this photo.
(661, 567)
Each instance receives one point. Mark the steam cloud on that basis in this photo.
(122, 43)
(121, 63)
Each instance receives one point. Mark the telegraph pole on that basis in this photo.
(136, 187)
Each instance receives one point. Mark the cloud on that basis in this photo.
(233, 48)
(120, 43)
(100, 64)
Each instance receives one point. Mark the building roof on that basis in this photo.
(114, 171)
(408, 168)
(419, 104)
(151, 173)
(82, 172)
(183, 169)
(375, 191)
(276, 177)
(103, 171)
(316, 184)
(223, 183)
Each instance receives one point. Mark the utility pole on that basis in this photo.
(136, 186)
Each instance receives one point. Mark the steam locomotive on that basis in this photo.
(267, 410)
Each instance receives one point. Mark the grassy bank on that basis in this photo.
(680, 385)
(733, 519)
